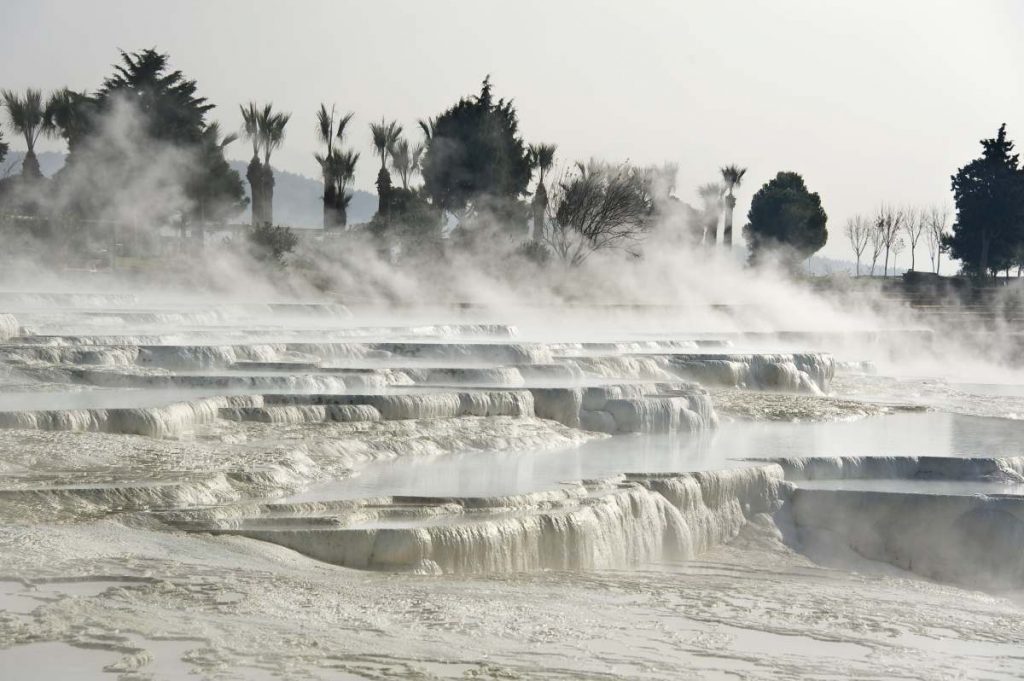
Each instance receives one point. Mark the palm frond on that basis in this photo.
(385, 134)
(732, 175)
(251, 126)
(427, 126)
(25, 113)
(712, 192)
(343, 125)
(401, 159)
(271, 127)
(325, 125)
(417, 155)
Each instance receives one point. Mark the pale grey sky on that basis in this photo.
(871, 100)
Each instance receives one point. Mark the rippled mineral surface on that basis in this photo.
(318, 491)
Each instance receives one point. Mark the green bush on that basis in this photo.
(271, 242)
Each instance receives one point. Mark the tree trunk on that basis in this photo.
(885, 273)
(268, 195)
(330, 212)
(540, 203)
(383, 191)
(30, 166)
(730, 203)
(912, 261)
(340, 208)
(858, 265)
(983, 260)
(254, 173)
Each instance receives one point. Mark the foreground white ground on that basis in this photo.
(152, 604)
(790, 517)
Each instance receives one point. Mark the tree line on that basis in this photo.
(885, 234)
(987, 232)
(465, 179)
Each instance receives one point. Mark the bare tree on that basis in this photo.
(877, 242)
(897, 247)
(858, 231)
(913, 228)
(888, 223)
(599, 206)
(936, 222)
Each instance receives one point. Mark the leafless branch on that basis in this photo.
(598, 206)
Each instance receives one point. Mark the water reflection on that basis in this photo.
(502, 473)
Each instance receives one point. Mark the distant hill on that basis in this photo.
(296, 197)
(49, 162)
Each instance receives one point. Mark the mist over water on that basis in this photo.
(576, 446)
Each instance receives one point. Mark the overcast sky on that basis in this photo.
(871, 100)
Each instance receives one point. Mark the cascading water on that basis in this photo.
(296, 440)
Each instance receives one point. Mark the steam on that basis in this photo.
(674, 286)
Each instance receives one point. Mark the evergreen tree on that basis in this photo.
(171, 109)
(989, 195)
(215, 188)
(166, 114)
(475, 154)
(785, 218)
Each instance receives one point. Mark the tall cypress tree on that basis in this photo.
(989, 195)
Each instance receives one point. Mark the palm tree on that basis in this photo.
(327, 132)
(27, 116)
(254, 173)
(732, 175)
(344, 172)
(417, 156)
(384, 137)
(339, 168)
(711, 196)
(66, 116)
(271, 132)
(542, 157)
(402, 160)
